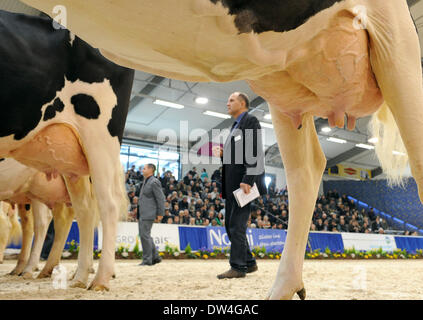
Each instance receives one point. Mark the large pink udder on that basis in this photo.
(329, 77)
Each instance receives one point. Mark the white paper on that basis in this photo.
(242, 199)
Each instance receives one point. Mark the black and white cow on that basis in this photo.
(325, 58)
(63, 108)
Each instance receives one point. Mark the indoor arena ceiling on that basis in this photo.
(146, 119)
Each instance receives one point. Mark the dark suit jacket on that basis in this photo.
(238, 166)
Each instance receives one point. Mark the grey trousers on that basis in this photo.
(149, 251)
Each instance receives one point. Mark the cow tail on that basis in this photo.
(389, 148)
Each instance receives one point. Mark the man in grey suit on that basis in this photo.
(151, 204)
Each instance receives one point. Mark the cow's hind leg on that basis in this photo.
(396, 62)
(62, 217)
(111, 195)
(304, 163)
(27, 222)
(42, 218)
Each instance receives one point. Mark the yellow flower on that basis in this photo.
(271, 256)
(366, 257)
(253, 254)
(198, 254)
(414, 257)
(278, 257)
(161, 254)
(395, 256)
(99, 255)
(212, 254)
(344, 255)
(205, 256)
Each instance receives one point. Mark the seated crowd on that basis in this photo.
(195, 200)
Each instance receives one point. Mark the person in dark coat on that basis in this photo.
(243, 165)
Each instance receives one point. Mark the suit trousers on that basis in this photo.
(236, 219)
(149, 251)
(48, 242)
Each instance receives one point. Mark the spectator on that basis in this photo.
(166, 216)
(183, 204)
(204, 174)
(376, 225)
(198, 218)
(221, 219)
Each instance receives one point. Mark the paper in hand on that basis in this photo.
(242, 198)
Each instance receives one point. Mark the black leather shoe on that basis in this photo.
(145, 264)
(157, 260)
(252, 269)
(230, 274)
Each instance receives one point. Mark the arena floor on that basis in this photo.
(196, 280)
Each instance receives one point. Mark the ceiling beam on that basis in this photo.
(146, 90)
(345, 156)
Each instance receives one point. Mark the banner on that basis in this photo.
(350, 172)
(272, 240)
(127, 234)
(367, 242)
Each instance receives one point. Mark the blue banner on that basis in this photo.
(321, 241)
(196, 237)
(411, 244)
(272, 240)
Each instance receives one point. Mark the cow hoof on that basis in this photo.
(27, 276)
(78, 284)
(98, 287)
(44, 275)
(13, 273)
(302, 294)
(114, 276)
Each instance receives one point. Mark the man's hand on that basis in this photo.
(217, 151)
(245, 187)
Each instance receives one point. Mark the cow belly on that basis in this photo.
(329, 76)
(55, 150)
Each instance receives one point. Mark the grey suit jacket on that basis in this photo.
(151, 200)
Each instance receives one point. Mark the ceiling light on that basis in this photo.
(201, 100)
(216, 114)
(365, 146)
(266, 125)
(268, 116)
(168, 104)
(326, 129)
(373, 140)
(332, 139)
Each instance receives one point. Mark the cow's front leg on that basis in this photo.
(85, 208)
(304, 163)
(42, 218)
(27, 222)
(62, 217)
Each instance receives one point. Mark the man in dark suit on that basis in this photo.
(243, 165)
(151, 204)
